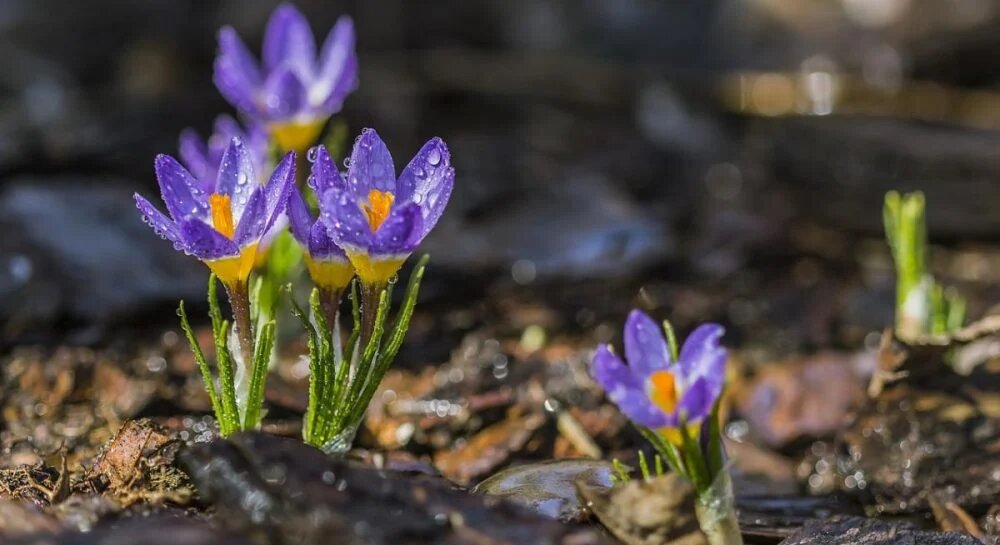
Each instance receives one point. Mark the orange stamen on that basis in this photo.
(663, 391)
(377, 209)
(222, 214)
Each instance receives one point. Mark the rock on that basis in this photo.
(76, 249)
(864, 531)
(284, 492)
(581, 227)
(549, 488)
(20, 518)
(148, 531)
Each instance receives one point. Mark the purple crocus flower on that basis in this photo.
(224, 226)
(292, 91)
(655, 392)
(328, 265)
(202, 157)
(378, 219)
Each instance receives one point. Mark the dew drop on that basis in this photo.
(311, 154)
(242, 179)
(434, 157)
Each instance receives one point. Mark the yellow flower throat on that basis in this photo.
(377, 208)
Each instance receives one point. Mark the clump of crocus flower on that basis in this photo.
(223, 209)
(673, 396)
(292, 92)
(223, 226)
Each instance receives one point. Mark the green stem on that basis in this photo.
(330, 300)
(239, 300)
(370, 295)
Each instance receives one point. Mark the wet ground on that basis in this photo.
(605, 170)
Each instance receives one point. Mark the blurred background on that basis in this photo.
(719, 159)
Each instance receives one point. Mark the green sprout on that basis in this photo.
(923, 307)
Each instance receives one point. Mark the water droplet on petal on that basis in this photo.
(242, 178)
(434, 157)
(311, 154)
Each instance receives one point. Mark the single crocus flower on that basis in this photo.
(327, 263)
(655, 392)
(222, 227)
(292, 91)
(378, 219)
(202, 157)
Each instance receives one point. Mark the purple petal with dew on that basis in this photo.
(321, 246)
(371, 165)
(279, 187)
(181, 192)
(254, 221)
(236, 176)
(400, 233)
(626, 390)
(195, 156)
(300, 220)
(288, 39)
(204, 242)
(285, 95)
(338, 65)
(427, 181)
(701, 354)
(160, 223)
(346, 223)
(324, 172)
(697, 401)
(645, 346)
(236, 72)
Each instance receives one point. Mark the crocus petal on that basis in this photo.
(253, 222)
(288, 39)
(277, 189)
(181, 192)
(701, 355)
(324, 172)
(204, 242)
(645, 345)
(321, 246)
(159, 222)
(626, 390)
(236, 176)
(347, 224)
(697, 401)
(236, 73)
(194, 153)
(371, 166)
(284, 94)
(338, 66)
(428, 181)
(400, 233)
(299, 218)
